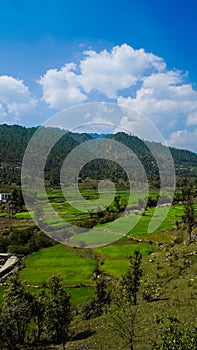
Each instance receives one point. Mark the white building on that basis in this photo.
(4, 197)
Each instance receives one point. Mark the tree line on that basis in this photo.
(28, 320)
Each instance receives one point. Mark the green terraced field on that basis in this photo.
(123, 251)
(41, 265)
(76, 266)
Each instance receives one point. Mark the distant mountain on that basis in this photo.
(14, 140)
(98, 136)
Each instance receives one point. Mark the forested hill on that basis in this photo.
(14, 140)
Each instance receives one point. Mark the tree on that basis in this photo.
(16, 314)
(122, 318)
(46, 312)
(16, 201)
(38, 307)
(123, 312)
(189, 212)
(96, 306)
(57, 312)
(8, 335)
(131, 280)
(102, 295)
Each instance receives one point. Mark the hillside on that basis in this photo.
(14, 140)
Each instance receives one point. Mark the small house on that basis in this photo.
(4, 197)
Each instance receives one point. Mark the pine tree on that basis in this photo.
(122, 316)
(189, 212)
(16, 314)
(131, 280)
(57, 312)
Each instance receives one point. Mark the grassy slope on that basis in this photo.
(177, 280)
(173, 272)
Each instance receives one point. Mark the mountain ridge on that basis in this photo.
(14, 140)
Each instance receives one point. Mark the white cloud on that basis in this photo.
(121, 68)
(15, 97)
(105, 72)
(184, 139)
(2, 112)
(158, 93)
(192, 118)
(61, 87)
(165, 98)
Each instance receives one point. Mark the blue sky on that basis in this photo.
(141, 54)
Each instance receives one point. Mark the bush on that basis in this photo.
(174, 336)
